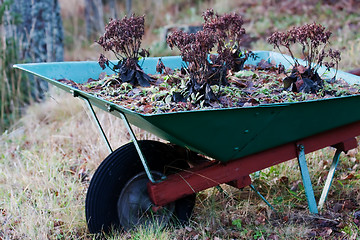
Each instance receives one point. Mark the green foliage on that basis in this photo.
(237, 223)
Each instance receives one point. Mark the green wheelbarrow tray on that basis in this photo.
(222, 134)
(240, 140)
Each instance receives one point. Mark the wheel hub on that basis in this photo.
(135, 207)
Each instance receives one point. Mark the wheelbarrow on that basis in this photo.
(145, 181)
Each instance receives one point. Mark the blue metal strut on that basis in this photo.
(306, 180)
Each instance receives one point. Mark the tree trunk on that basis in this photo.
(128, 7)
(112, 5)
(40, 29)
(30, 31)
(94, 18)
(39, 35)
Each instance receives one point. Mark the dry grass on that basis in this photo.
(46, 161)
(42, 193)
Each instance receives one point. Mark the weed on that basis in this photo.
(123, 38)
(223, 33)
(237, 223)
(313, 38)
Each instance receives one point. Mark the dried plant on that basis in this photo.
(313, 39)
(228, 31)
(194, 50)
(220, 33)
(123, 38)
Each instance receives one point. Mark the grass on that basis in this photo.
(48, 157)
(40, 185)
(45, 165)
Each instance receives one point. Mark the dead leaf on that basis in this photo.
(348, 204)
(264, 65)
(299, 83)
(247, 104)
(326, 232)
(348, 177)
(284, 180)
(189, 229)
(168, 71)
(260, 220)
(337, 207)
(273, 236)
(341, 225)
(352, 153)
(236, 81)
(295, 186)
(301, 69)
(101, 76)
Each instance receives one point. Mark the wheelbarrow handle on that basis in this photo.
(355, 71)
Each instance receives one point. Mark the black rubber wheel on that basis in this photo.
(121, 177)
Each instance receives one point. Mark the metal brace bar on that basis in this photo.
(306, 180)
(262, 197)
(329, 178)
(98, 124)
(135, 141)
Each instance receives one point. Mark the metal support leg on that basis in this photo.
(329, 178)
(262, 197)
(306, 180)
(134, 140)
(98, 125)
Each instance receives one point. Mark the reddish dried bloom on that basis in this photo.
(228, 31)
(309, 36)
(313, 39)
(144, 53)
(228, 27)
(335, 55)
(208, 14)
(103, 61)
(335, 58)
(282, 39)
(223, 33)
(160, 66)
(194, 47)
(123, 37)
